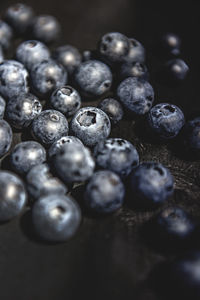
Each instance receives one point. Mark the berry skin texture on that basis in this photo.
(20, 17)
(134, 69)
(136, 95)
(57, 145)
(22, 110)
(47, 76)
(93, 78)
(171, 44)
(66, 100)
(13, 196)
(117, 155)
(6, 35)
(166, 120)
(90, 125)
(2, 107)
(49, 126)
(13, 80)
(6, 137)
(40, 182)
(151, 184)
(68, 56)
(56, 217)
(104, 193)
(136, 52)
(74, 163)
(113, 109)
(25, 155)
(192, 135)
(32, 52)
(46, 28)
(176, 69)
(114, 46)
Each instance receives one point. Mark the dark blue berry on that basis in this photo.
(136, 95)
(151, 184)
(134, 69)
(90, 125)
(74, 163)
(56, 217)
(166, 120)
(25, 155)
(93, 78)
(2, 107)
(66, 100)
(13, 196)
(22, 110)
(41, 182)
(57, 145)
(6, 35)
(113, 109)
(87, 55)
(117, 155)
(32, 52)
(136, 52)
(6, 137)
(13, 79)
(49, 126)
(171, 44)
(48, 76)
(192, 135)
(104, 193)
(176, 69)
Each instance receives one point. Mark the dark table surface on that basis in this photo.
(109, 258)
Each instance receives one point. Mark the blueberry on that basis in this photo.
(136, 95)
(57, 145)
(171, 44)
(134, 69)
(32, 52)
(1, 55)
(104, 193)
(40, 182)
(176, 69)
(6, 35)
(6, 137)
(2, 107)
(114, 46)
(25, 155)
(49, 126)
(136, 52)
(20, 17)
(68, 56)
(87, 55)
(90, 125)
(13, 196)
(48, 76)
(93, 78)
(117, 155)
(66, 100)
(13, 79)
(166, 120)
(22, 110)
(74, 163)
(151, 184)
(192, 135)
(46, 28)
(56, 217)
(113, 109)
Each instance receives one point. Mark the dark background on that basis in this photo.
(109, 258)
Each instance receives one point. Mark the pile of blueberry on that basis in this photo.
(42, 90)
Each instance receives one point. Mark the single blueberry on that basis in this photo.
(87, 55)
(22, 110)
(192, 135)
(25, 155)
(171, 43)
(151, 184)
(56, 217)
(13, 79)
(47, 76)
(66, 100)
(104, 193)
(6, 35)
(6, 137)
(113, 109)
(134, 69)
(41, 182)
(136, 52)
(49, 126)
(90, 125)
(13, 196)
(68, 56)
(2, 107)
(57, 145)
(176, 69)
(46, 28)
(136, 95)
(93, 78)
(32, 52)
(74, 163)
(117, 155)
(166, 120)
